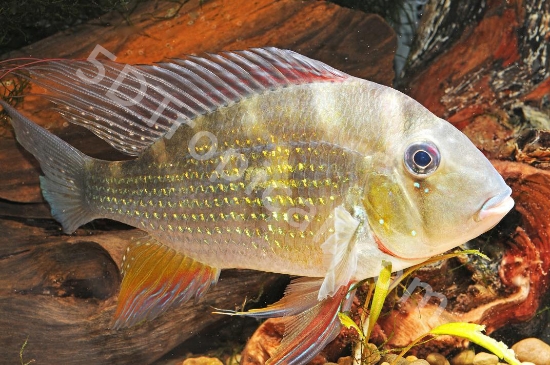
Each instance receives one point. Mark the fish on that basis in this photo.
(260, 159)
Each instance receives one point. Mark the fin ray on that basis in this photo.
(309, 332)
(300, 295)
(167, 94)
(340, 252)
(64, 168)
(156, 278)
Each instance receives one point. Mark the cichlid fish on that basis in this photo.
(261, 159)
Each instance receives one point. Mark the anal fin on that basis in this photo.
(157, 277)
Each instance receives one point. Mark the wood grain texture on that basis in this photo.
(499, 59)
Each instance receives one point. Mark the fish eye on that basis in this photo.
(422, 158)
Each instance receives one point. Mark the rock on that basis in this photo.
(419, 362)
(389, 358)
(465, 357)
(437, 359)
(345, 360)
(203, 360)
(532, 350)
(484, 358)
(371, 354)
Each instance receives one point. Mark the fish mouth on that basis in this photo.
(497, 206)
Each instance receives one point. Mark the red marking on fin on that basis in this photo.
(309, 332)
(30, 61)
(155, 278)
(309, 324)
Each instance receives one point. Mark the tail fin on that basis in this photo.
(63, 167)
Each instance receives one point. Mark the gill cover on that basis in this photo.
(428, 197)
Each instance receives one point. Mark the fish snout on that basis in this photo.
(496, 206)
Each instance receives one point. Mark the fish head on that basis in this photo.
(434, 191)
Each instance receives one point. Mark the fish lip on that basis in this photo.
(497, 205)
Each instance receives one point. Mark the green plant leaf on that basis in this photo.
(472, 332)
(347, 322)
(380, 293)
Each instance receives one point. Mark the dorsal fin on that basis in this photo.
(132, 106)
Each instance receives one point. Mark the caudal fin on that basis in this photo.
(64, 170)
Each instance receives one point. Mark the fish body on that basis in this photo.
(267, 204)
(264, 160)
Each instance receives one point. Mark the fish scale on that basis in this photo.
(181, 203)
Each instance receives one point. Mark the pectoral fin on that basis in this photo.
(155, 278)
(340, 252)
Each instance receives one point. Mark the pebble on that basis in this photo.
(390, 357)
(345, 360)
(532, 350)
(465, 357)
(483, 358)
(203, 360)
(437, 359)
(371, 354)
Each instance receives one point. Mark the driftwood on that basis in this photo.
(59, 291)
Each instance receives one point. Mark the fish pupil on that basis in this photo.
(422, 158)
